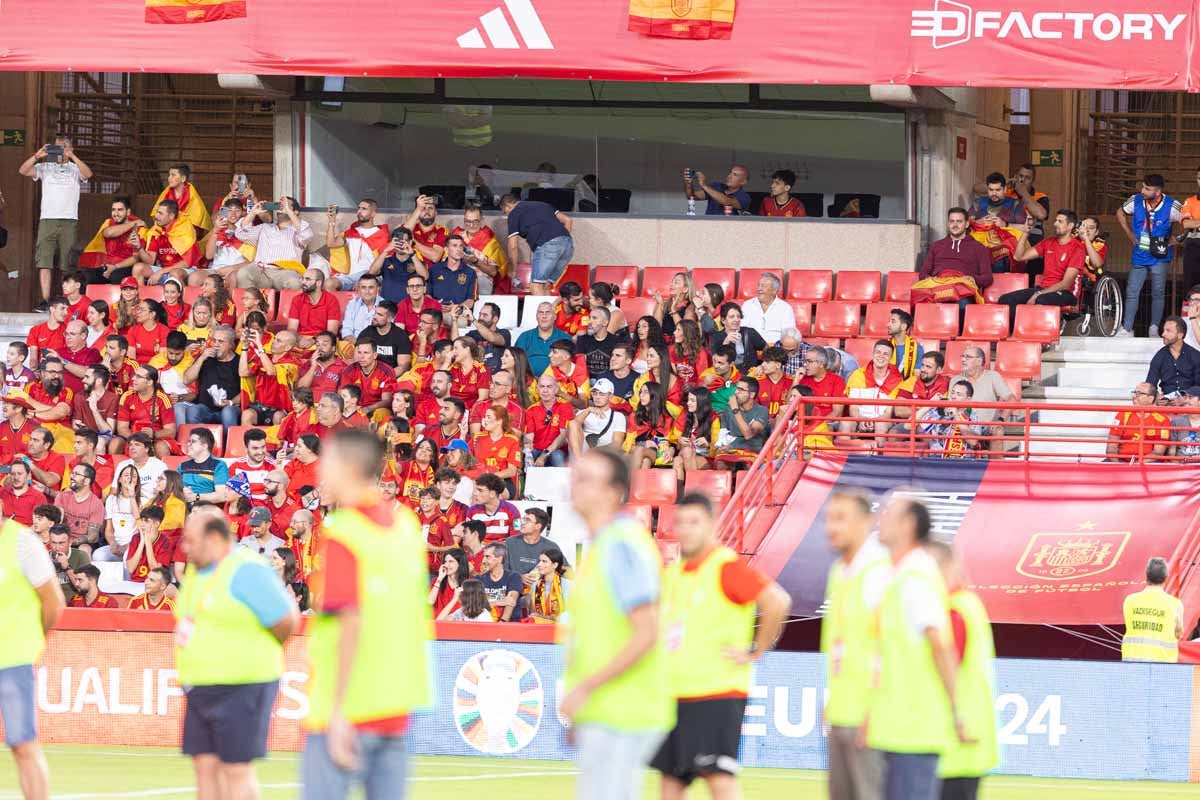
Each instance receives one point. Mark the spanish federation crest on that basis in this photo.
(1071, 556)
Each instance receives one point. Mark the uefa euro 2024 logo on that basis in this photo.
(498, 702)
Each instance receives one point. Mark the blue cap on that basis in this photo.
(456, 444)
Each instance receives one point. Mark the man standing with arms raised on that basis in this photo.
(369, 673)
(232, 619)
(30, 602)
(710, 601)
(616, 675)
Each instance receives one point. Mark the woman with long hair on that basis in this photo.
(168, 495)
(149, 332)
(603, 295)
(661, 370)
(646, 334)
(465, 464)
(650, 434)
(121, 509)
(689, 358)
(283, 561)
(498, 448)
(446, 587)
(1095, 241)
(99, 321)
(217, 293)
(252, 300)
(125, 309)
(199, 326)
(514, 360)
(473, 603)
(676, 305)
(174, 307)
(414, 475)
(707, 302)
(696, 431)
(547, 596)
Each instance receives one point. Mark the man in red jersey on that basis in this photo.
(773, 384)
(50, 334)
(87, 588)
(146, 408)
(51, 401)
(324, 371)
(373, 378)
(155, 597)
(822, 382)
(780, 202)
(16, 428)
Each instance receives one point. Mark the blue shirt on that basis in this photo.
(536, 222)
(1169, 374)
(741, 195)
(1006, 210)
(256, 586)
(202, 477)
(632, 579)
(394, 276)
(538, 349)
(452, 286)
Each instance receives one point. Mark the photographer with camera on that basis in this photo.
(62, 174)
(279, 240)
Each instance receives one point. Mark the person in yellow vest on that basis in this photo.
(368, 672)
(963, 766)
(617, 699)
(232, 618)
(30, 603)
(912, 717)
(1153, 619)
(710, 601)
(850, 642)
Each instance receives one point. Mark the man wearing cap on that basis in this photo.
(456, 444)
(599, 425)
(261, 540)
(17, 427)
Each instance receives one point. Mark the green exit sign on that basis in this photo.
(1048, 158)
(12, 137)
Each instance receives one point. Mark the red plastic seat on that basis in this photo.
(1037, 324)
(716, 485)
(1014, 385)
(748, 281)
(284, 307)
(153, 293)
(642, 513)
(837, 320)
(173, 462)
(899, 286)
(1003, 283)
(859, 285)
(655, 487)
(823, 341)
(725, 277)
(987, 323)
(217, 431)
(190, 293)
(104, 291)
(625, 277)
(343, 298)
(580, 273)
(936, 321)
(875, 323)
(669, 551)
(954, 354)
(664, 530)
(1019, 360)
(523, 275)
(861, 349)
(658, 278)
(808, 284)
(635, 308)
(803, 312)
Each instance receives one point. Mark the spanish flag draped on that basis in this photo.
(1001, 242)
(182, 238)
(227, 238)
(339, 257)
(175, 12)
(191, 207)
(486, 244)
(948, 287)
(94, 255)
(682, 19)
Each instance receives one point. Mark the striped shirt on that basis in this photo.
(274, 244)
(505, 522)
(256, 476)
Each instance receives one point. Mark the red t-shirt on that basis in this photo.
(42, 337)
(293, 427)
(78, 309)
(497, 455)
(52, 462)
(82, 412)
(516, 414)
(437, 534)
(545, 424)
(176, 315)
(122, 379)
(164, 551)
(832, 385)
(142, 414)
(455, 513)
(20, 507)
(142, 603)
(301, 474)
(1058, 259)
(792, 208)
(773, 395)
(315, 317)
(14, 442)
(940, 386)
(84, 357)
(372, 386)
(426, 412)
(102, 601)
(326, 379)
(465, 384)
(143, 343)
(281, 516)
(38, 392)
(409, 318)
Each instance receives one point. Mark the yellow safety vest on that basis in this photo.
(699, 623)
(218, 640)
(976, 695)
(1150, 617)
(21, 637)
(390, 676)
(849, 638)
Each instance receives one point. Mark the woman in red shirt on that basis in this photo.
(303, 468)
(149, 335)
(217, 294)
(447, 584)
(469, 378)
(177, 310)
(124, 311)
(497, 447)
(689, 357)
(252, 300)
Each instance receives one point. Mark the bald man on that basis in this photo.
(729, 197)
(76, 356)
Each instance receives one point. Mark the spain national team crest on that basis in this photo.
(1071, 556)
(681, 8)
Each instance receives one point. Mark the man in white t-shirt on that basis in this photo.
(767, 312)
(599, 420)
(363, 240)
(61, 173)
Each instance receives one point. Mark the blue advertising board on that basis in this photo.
(1059, 719)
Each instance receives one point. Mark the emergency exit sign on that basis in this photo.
(1048, 158)
(12, 137)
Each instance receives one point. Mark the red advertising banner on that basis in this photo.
(1028, 43)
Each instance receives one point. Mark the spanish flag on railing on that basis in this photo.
(94, 255)
(174, 12)
(339, 257)
(682, 19)
(191, 208)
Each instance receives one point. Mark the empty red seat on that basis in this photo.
(578, 273)
(173, 462)
(642, 513)
(664, 529)
(1003, 283)
(716, 485)
(1037, 324)
(1014, 385)
(235, 444)
(809, 284)
(861, 349)
(1019, 360)
(725, 277)
(153, 293)
(803, 312)
(190, 293)
(658, 278)
(653, 487)
(217, 431)
(954, 354)
(936, 321)
(838, 320)
(899, 286)
(748, 281)
(286, 296)
(875, 323)
(859, 285)
(104, 291)
(987, 323)
(635, 308)
(624, 277)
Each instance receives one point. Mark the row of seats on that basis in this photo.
(988, 322)
(1021, 360)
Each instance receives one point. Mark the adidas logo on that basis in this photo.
(501, 36)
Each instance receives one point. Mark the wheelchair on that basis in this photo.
(1100, 308)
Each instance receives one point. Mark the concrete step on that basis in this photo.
(1080, 395)
(1112, 376)
(1113, 344)
(16, 326)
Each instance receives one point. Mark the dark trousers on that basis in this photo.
(1191, 265)
(960, 788)
(910, 776)
(1021, 297)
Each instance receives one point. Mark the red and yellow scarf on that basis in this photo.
(339, 257)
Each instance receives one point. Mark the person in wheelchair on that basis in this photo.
(1065, 257)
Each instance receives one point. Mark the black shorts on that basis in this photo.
(266, 415)
(705, 740)
(230, 721)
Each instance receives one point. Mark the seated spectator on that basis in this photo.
(392, 343)
(500, 392)
(155, 597)
(445, 589)
(451, 424)
(1185, 428)
(601, 295)
(300, 420)
(816, 431)
(1065, 259)
(121, 367)
(302, 542)
(303, 468)
(746, 342)
(599, 425)
(728, 197)
(676, 306)
(596, 345)
(217, 294)
(417, 473)
(274, 375)
(181, 191)
(745, 426)
(949, 431)
(124, 310)
(489, 336)
(536, 342)
(621, 375)
(412, 309)
(16, 374)
(697, 428)
(72, 289)
(218, 384)
(907, 352)
(502, 586)
(1142, 435)
(200, 325)
(352, 253)
(45, 517)
(51, 334)
(469, 378)
(99, 324)
(254, 467)
(113, 252)
(373, 378)
(395, 264)
(17, 427)
(956, 269)
(647, 333)
(988, 387)
(526, 548)
(87, 589)
(452, 281)
(359, 314)
(928, 384)
(484, 252)
(176, 309)
(500, 518)
(721, 378)
(429, 408)
(49, 468)
(145, 408)
(149, 333)
(688, 355)
(204, 475)
(473, 604)
(225, 252)
(121, 509)
(571, 313)
(660, 370)
(1176, 366)
(431, 337)
(780, 203)
(429, 238)
(313, 310)
(66, 557)
(767, 312)
(170, 250)
(572, 379)
(172, 363)
(149, 468)
(773, 384)
(824, 382)
(435, 529)
(279, 501)
(876, 380)
(795, 348)
(87, 453)
(546, 426)
(261, 540)
(169, 496)
(550, 589)
(148, 548)
(650, 432)
(324, 372)
(50, 401)
(707, 302)
(497, 447)
(996, 207)
(279, 238)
